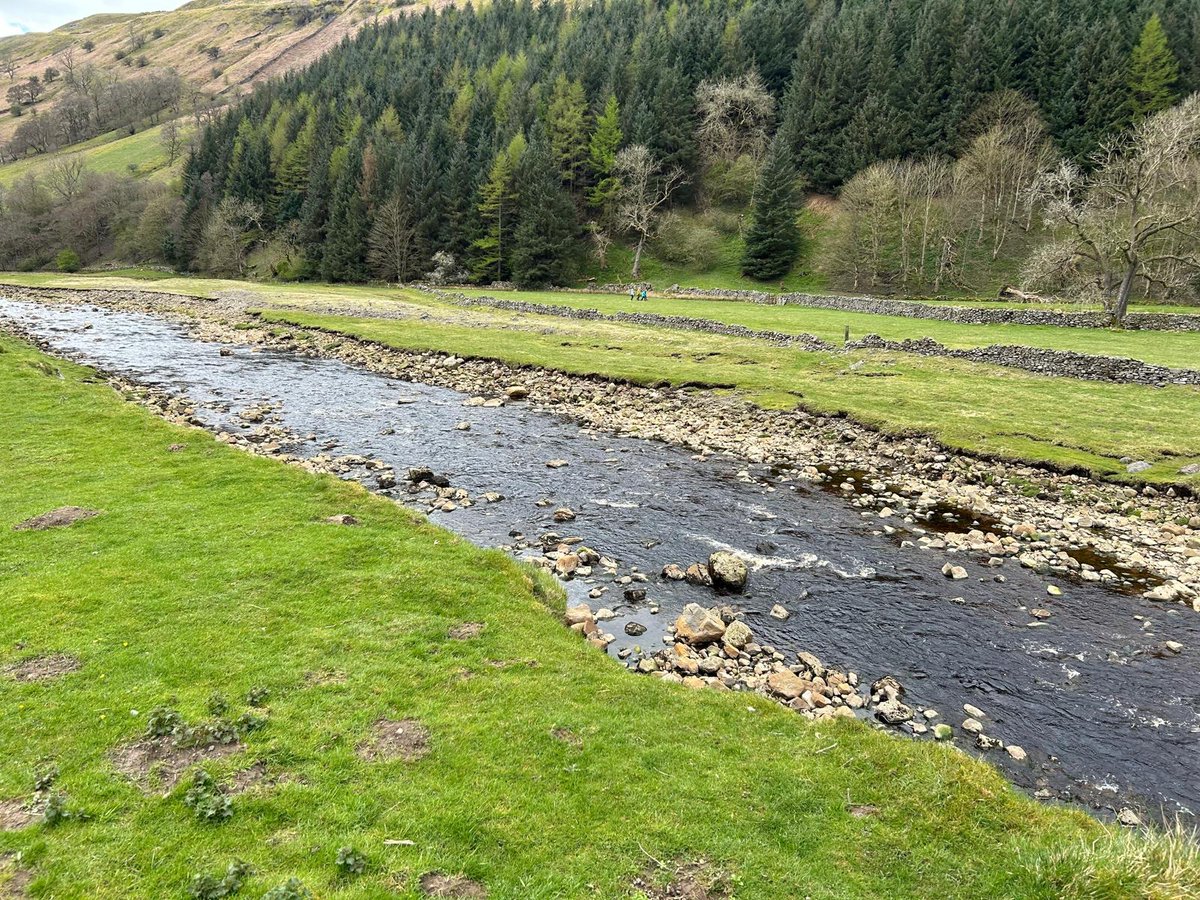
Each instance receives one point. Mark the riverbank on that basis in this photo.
(1056, 522)
(322, 631)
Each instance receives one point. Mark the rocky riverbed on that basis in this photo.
(987, 542)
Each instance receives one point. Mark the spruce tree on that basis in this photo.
(546, 231)
(1153, 72)
(773, 237)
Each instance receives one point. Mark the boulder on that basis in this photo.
(893, 712)
(673, 572)
(697, 625)
(728, 572)
(958, 573)
(787, 684)
(779, 612)
(738, 634)
(577, 615)
(698, 574)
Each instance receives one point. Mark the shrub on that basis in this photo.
(89, 46)
(687, 242)
(206, 886)
(731, 183)
(350, 861)
(207, 800)
(67, 261)
(292, 889)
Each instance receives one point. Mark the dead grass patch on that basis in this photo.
(42, 668)
(438, 884)
(406, 739)
(687, 881)
(466, 631)
(57, 518)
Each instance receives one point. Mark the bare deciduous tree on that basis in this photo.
(66, 175)
(1136, 214)
(67, 59)
(392, 241)
(644, 187)
(171, 138)
(227, 234)
(868, 227)
(735, 117)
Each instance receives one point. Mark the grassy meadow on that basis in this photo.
(211, 578)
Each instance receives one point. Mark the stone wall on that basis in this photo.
(966, 315)
(1061, 363)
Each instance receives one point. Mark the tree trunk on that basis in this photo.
(1122, 306)
(637, 256)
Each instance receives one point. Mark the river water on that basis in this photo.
(1104, 720)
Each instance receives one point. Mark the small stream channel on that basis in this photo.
(1104, 720)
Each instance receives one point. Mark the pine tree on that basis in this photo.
(1153, 72)
(773, 237)
(547, 230)
(602, 153)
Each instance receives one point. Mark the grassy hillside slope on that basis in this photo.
(254, 40)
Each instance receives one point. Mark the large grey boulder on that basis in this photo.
(728, 572)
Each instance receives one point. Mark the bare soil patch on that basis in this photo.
(324, 676)
(159, 762)
(466, 631)
(14, 814)
(567, 736)
(56, 518)
(690, 881)
(14, 879)
(438, 884)
(42, 668)
(406, 739)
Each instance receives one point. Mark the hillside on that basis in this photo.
(219, 49)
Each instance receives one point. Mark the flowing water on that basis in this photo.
(1104, 720)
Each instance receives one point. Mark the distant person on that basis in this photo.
(645, 295)
(632, 293)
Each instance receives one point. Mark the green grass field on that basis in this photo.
(109, 154)
(1165, 348)
(551, 772)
